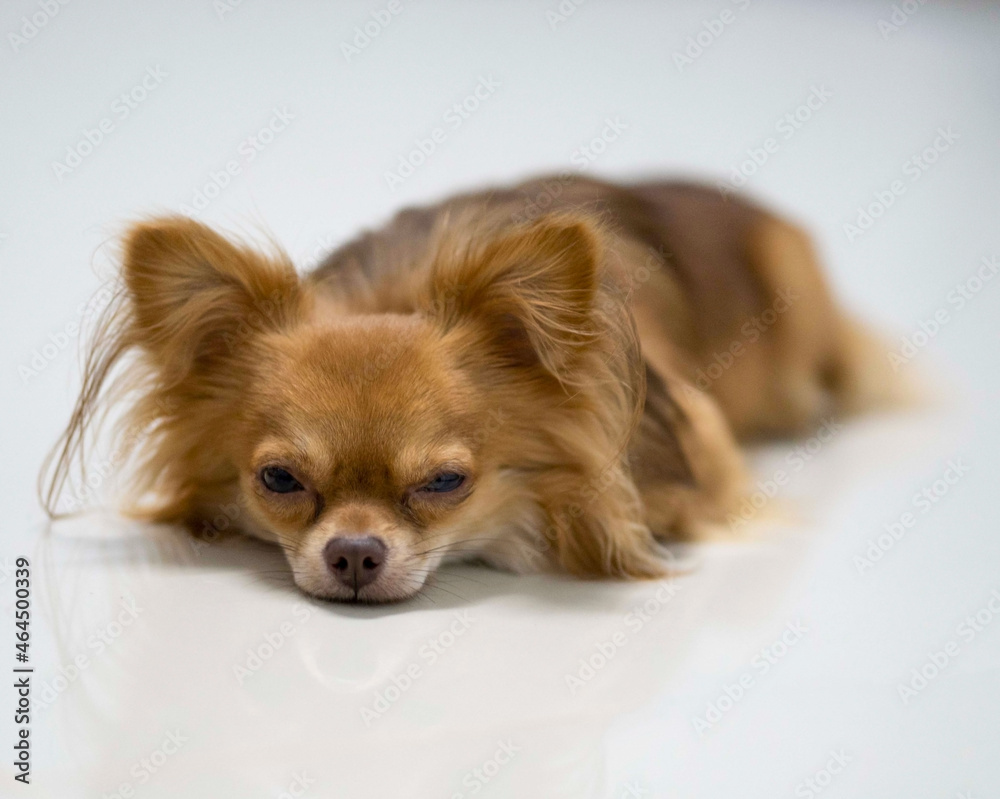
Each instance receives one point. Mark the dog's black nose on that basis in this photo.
(355, 561)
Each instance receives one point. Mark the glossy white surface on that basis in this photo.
(466, 690)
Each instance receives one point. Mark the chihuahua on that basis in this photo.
(548, 377)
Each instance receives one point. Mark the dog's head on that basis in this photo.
(486, 416)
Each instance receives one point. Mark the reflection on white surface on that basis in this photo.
(771, 668)
(779, 644)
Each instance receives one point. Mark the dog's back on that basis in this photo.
(738, 331)
(725, 294)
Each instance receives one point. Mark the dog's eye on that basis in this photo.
(446, 481)
(278, 480)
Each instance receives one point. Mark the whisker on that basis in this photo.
(437, 575)
(428, 586)
(455, 546)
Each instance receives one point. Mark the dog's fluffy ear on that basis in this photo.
(531, 290)
(194, 294)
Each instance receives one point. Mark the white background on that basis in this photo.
(631, 728)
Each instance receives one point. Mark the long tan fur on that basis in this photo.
(563, 373)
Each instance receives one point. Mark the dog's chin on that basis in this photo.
(386, 589)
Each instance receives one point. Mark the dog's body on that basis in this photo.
(555, 392)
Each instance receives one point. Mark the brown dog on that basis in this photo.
(554, 392)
